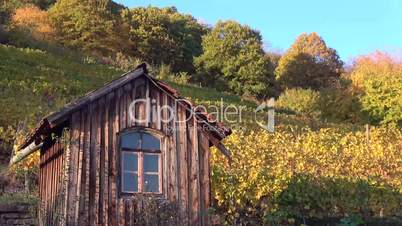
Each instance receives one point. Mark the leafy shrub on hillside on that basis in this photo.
(19, 197)
(383, 99)
(331, 105)
(120, 61)
(4, 36)
(378, 79)
(7, 136)
(7, 8)
(34, 21)
(312, 174)
(299, 100)
(307, 196)
(341, 105)
(164, 72)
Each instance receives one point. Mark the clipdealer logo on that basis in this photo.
(218, 112)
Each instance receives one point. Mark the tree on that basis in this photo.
(383, 99)
(42, 4)
(309, 63)
(233, 60)
(164, 36)
(7, 7)
(34, 20)
(6, 10)
(273, 58)
(378, 79)
(89, 25)
(374, 65)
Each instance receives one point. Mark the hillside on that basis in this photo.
(334, 158)
(307, 158)
(34, 83)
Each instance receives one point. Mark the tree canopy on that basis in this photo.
(164, 36)
(87, 25)
(33, 20)
(8, 6)
(233, 59)
(309, 63)
(378, 78)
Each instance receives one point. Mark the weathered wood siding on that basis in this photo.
(51, 182)
(93, 190)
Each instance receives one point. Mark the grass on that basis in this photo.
(34, 83)
(204, 95)
(19, 197)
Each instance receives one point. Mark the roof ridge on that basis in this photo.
(59, 116)
(95, 94)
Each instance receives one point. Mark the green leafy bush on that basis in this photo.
(377, 77)
(164, 36)
(341, 105)
(164, 72)
(382, 99)
(122, 61)
(299, 100)
(233, 60)
(7, 136)
(28, 198)
(92, 27)
(330, 105)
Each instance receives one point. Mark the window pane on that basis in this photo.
(151, 183)
(130, 182)
(151, 163)
(150, 142)
(130, 161)
(130, 140)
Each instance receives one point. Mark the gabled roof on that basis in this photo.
(217, 130)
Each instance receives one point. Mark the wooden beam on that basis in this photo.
(219, 145)
(25, 152)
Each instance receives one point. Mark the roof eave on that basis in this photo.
(54, 119)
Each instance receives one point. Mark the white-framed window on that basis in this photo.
(141, 162)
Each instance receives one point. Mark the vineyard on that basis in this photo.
(326, 173)
(308, 169)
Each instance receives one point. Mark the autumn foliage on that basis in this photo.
(374, 65)
(309, 63)
(314, 174)
(330, 169)
(34, 20)
(378, 78)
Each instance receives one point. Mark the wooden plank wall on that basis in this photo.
(93, 194)
(50, 183)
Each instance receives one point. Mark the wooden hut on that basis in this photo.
(132, 152)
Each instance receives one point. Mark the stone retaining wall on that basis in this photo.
(17, 214)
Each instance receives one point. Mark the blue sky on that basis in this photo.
(352, 27)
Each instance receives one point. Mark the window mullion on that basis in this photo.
(160, 172)
(140, 171)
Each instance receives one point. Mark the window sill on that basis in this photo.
(156, 198)
(141, 195)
